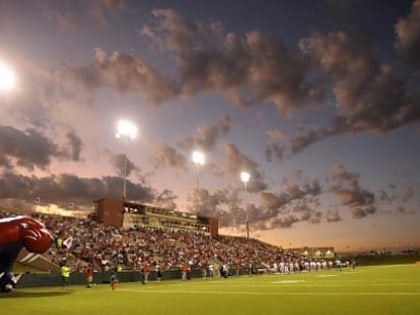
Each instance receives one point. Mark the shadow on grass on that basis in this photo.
(33, 294)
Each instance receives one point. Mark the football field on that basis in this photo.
(375, 290)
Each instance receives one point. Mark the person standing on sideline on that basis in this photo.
(158, 272)
(113, 281)
(65, 275)
(89, 276)
(143, 274)
(238, 269)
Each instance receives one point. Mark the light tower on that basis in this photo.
(245, 179)
(127, 131)
(198, 159)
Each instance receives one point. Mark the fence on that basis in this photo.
(79, 278)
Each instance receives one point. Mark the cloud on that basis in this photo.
(256, 69)
(385, 197)
(248, 70)
(205, 137)
(278, 150)
(122, 73)
(102, 10)
(113, 5)
(164, 155)
(369, 96)
(305, 211)
(404, 211)
(68, 23)
(333, 215)
(75, 144)
(123, 165)
(304, 138)
(343, 176)
(226, 205)
(166, 199)
(70, 17)
(212, 203)
(277, 134)
(274, 147)
(294, 191)
(30, 149)
(60, 189)
(236, 162)
(356, 198)
(408, 36)
(294, 204)
(285, 222)
(361, 202)
(272, 201)
(407, 194)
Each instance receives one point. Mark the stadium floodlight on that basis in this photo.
(198, 159)
(245, 177)
(127, 131)
(7, 78)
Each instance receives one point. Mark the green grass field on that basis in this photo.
(374, 290)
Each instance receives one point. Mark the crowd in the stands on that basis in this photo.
(84, 241)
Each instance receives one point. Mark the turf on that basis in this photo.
(375, 290)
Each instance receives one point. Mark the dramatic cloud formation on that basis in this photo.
(210, 58)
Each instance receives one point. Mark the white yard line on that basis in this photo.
(273, 293)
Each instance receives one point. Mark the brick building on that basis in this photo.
(124, 214)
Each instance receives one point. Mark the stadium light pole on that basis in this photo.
(198, 159)
(127, 131)
(245, 176)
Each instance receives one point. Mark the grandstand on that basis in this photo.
(133, 235)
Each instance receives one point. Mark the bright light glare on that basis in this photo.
(198, 157)
(126, 129)
(7, 78)
(245, 177)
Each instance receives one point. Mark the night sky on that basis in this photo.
(318, 101)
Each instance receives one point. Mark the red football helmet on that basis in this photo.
(35, 237)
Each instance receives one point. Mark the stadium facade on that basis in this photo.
(126, 214)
